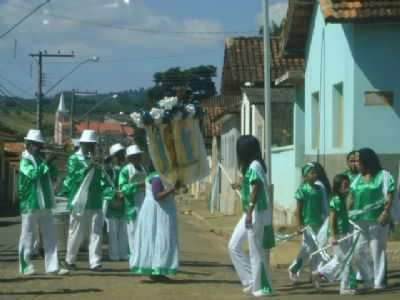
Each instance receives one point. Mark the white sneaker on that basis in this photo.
(316, 280)
(348, 292)
(261, 293)
(248, 289)
(293, 276)
(29, 272)
(63, 271)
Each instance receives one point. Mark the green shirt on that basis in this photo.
(77, 170)
(115, 208)
(29, 175)
(254, 175)
(311, 197)
(129, 187)
(350, 175)
(366, 193)
(338, 206)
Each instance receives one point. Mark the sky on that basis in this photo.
(133, 39)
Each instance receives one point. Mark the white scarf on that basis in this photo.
(42, 204)
(80, 199)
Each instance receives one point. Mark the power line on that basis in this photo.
(15, 86)
(24, 18)
(138, 29)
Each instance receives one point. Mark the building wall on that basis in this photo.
(285, 178)
(229, 203)
(377, 63)
(329, 62)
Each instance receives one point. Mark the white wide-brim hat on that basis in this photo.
(133, 150)
(34, 135)
(88, 136)
(114, 149)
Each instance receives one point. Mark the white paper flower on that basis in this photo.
(157, 115)
(168, 102)
(137, 118)
(191, 110)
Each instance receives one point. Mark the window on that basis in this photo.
(315, 120)
(337, 115)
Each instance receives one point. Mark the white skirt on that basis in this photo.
(156, 237)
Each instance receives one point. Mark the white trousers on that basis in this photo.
(308, 246)
(373, 240)
(131, 228)
(29, 223)
(253, 269)
(117, 239)
(91, 222)
(340, 265)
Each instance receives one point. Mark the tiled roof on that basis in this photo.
(299, 18)
(14, 147)
(109, 127)
(360, 10)
(214, 108)
(244, 62)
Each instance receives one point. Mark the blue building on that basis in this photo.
(349, 94)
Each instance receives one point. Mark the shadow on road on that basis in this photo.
(204, 264)
(191, 281)
(27, 278)
(57, 292)
(8, 223)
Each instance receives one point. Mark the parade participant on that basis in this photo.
(352, 170)
(255, 225)
(310, 217)
(156, 238)
(131, 184)
(85, 197)
(373, 186)
(35, 191)
(323, 181)
(116, 222)
(340, 265)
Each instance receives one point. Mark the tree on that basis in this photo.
(194, 83)
(275, 28)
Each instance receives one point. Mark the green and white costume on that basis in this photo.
(373, 235)
(116, 221)
(36, 196)
(156, 235)
(129, 178)
(313, 216)
(85, 199)
(253, 269)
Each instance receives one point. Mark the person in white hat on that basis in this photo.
(36, 195)
(132, 186)
(114, 212)
(85, 199)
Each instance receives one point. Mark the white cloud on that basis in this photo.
(277, 12)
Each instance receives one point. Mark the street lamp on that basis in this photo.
(115, 96)
(94, 59)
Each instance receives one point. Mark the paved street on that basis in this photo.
(206, 273)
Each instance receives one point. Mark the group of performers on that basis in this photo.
(139, 211)
(141, 219)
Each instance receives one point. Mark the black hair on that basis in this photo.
(350, 154)
(247, 150)
(321, 175)
(150, 167)
(370, 160)
(337, 183)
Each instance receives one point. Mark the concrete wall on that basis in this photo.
(286, 179)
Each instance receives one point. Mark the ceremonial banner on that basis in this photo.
(175, 141)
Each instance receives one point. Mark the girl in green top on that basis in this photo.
(352, 171)
(255, 226)
(310, 216)
(372, 194)
(340, 265)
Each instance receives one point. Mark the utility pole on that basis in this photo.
(39, 95)
(267, 90)
(74, 92)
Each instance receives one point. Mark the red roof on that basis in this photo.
(109, 127)
(14, 147)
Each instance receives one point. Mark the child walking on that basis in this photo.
(340, 265)
(310, 217)
(255, 226)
